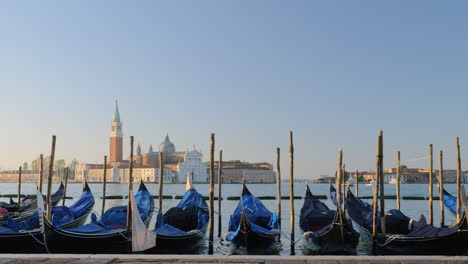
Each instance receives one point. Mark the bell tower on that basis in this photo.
(116, 137)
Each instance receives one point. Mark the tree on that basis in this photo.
(59, 164)
(25, 166)
(402, 167)
(71, 167)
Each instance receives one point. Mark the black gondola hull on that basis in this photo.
(31, 242)
(189, 244)
(61, 241)
(454, 244)
(331, 241)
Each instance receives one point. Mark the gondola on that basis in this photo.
(252, 226)
(181, 230)
(450, 201)
(326, 232)
(105, 235)
(29, 203)
(405, 236)
(27, 236)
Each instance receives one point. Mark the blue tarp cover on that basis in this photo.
(422, 229)
(260, 218)
(450, 202)
(60, 214)
(314, 214)
(172, 224)
(116, 217)
(361, 213)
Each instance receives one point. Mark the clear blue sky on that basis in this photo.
(334, 72)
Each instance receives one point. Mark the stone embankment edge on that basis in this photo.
(199, 259)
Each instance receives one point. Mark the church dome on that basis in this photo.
(167, 145)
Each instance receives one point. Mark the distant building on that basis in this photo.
(28, 176)
(237, 171)
(177, 165)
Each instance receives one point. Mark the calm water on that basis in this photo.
(412, 208)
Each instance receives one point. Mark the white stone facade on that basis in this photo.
(192, 165)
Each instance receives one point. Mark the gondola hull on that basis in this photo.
(61, 241)
(454, 244)
(31, 242)
(256, 241)
(331, 241)
(192, 243)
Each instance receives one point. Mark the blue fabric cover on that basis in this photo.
(192, 198)
(260, 218)
(361, 213)
(450, 202)
(422, 229)
(63, 214)
(60, 214)
(314, 214)
(116, 217)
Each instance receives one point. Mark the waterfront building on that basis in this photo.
(177, 164)
(116, 138)
(237, 171)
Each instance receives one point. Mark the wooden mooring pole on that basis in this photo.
(343, 181)
(49, 180)
(278, 185)
(291, 191)
(441, 189)
(220, 172)
(376, 191)
(431, 169)
(41, 172)
(459, 172)
(381, 181)
(19, 187)
(398, 196)
(104, 183)
(130, 185)
(211, 194)
(161, 181)
(357, 183)
(65, 188)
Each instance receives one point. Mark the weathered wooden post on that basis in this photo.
(130, 185)
(382, 193)
(161, 180)
(65, 189)
(41, 173)
(343, 180)
(459, 172)
(278, 184)
(431, 168)
(357, 183)
(338, 177)
(49, 180)
(291, 191)
(220, 171)
(376, 191)
(398, 197)
(104, 182)
(19, 187)
(211, 194)
(441, 190)
(339, 184)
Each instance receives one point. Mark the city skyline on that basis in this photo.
(334, 74)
